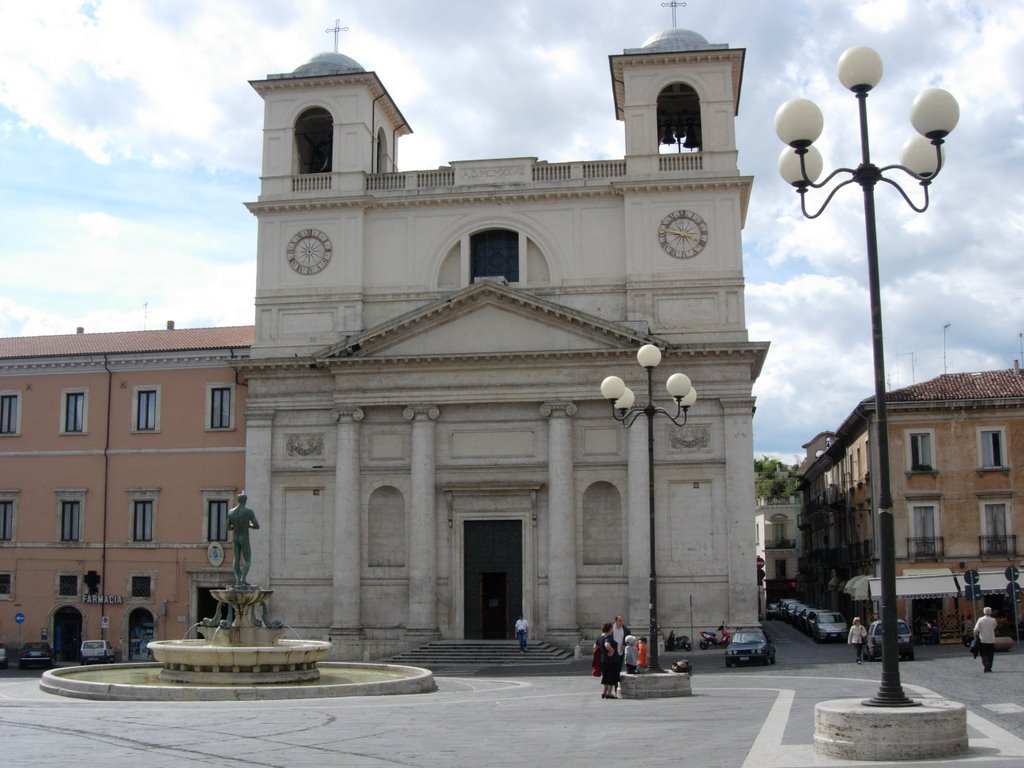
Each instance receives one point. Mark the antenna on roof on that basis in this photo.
(673, 5)
(145, 316)
(338, 28)
(944, 329)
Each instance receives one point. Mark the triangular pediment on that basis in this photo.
(488, 319)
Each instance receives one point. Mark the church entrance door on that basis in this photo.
(493, 577)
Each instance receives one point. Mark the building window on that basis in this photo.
(67, 585)
(780, 569)
(142, 586)
(142, 520)
(991, 448)
(70, 520)
(495, 253)
(5, 585)
(995, 540)
(6, 520)
(925, 540)
(73, 413)
(219, 407)
(217, 520)
(921, 452)
(146, 410)
(9, 412)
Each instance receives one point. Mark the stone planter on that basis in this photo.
(654, 685)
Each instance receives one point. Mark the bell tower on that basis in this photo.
(678, 94)
(329, 127)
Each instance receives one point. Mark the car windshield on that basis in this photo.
(92, 644)
(35, 646)
(748, 636)
(830, 618)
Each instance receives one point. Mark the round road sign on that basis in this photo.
(972, 576)
(1012, 572)
(1013, 589)
(19, 617)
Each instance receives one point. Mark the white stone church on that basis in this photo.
(428, 451)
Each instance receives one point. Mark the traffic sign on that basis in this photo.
(972, 576)
(1013, 589)
(972, 592)
(1012, 572)
(19, 617)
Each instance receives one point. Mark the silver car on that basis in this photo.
(829, 625)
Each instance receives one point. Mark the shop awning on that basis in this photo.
(909, 587)
(991, 581)
(857, 588)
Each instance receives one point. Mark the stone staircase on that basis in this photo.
(481, 653)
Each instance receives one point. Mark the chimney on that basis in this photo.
(170, 325)
(80, 330)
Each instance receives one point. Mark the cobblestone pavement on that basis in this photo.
(740, 718)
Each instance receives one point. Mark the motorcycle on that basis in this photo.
(712, 639)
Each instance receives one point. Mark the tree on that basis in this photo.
(774, 479)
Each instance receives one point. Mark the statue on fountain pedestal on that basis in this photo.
(240, 520)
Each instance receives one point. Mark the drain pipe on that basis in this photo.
(106, 491)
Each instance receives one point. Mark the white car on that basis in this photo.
(95, 652)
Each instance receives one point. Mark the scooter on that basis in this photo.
(681, 643)
(712, 640)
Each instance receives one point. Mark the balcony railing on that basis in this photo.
(926, 547)
(997, 546)
(780, 544)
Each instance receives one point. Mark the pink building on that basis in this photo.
(120, 454)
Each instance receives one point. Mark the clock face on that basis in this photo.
(683, 234)
(309, 251)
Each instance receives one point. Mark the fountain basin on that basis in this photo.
(141, 682)
(198, 662)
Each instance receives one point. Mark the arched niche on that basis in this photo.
(314, 141)
(679, 127)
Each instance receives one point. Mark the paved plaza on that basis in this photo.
(522, 716)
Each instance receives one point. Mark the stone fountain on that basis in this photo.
(241, 656)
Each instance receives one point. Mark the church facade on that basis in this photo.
(427, 447)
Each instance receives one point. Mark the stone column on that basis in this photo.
(738, 416)
(258, 474)
(562, 624)
(422, 523)
(347, 575)
(636, 521)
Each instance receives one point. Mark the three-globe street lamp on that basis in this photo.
(798, 123)
(615, 391)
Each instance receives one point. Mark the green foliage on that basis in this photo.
(774, 479)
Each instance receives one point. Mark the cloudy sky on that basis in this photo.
(130, 137)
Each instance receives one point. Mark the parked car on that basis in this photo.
(771, 611)
(35, 654)
(904, 638)
(800, 621)
(3, 657)
(95, 652)
(792, 609)
(750, 645)
(829, 625)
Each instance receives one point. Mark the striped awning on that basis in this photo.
(910, 587)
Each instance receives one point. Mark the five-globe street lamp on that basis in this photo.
(799, 122)
(621, 398)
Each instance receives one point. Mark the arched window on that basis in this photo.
(679, 119)
(602, 525)
(495, 253)
(314, 140)
(382, 152)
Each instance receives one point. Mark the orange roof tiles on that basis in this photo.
(985, 385)
(127, 342)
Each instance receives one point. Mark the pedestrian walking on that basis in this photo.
(522, 633)
(985, 631)
(856, 638)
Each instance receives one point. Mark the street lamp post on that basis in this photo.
(798, 123)
(621, 398)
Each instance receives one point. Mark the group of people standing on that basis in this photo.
(616, 649)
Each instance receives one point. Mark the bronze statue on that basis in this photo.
(240, 520)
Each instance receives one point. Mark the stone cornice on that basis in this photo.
(119, 361)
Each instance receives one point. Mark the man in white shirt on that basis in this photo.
(522, 630)
(985, 631)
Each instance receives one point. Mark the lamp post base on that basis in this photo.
(849, 730)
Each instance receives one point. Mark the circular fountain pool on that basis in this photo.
(142, 682)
